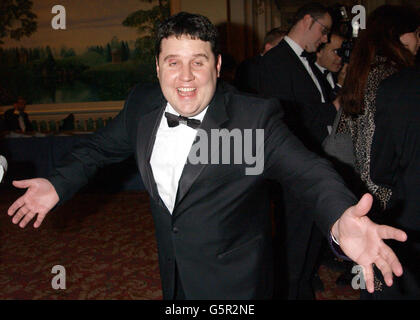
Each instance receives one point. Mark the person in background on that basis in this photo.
(394, 162)
(330, 65)
(329, 70)
(17, 119)
(287, 73)
(387, 45)
(247, 73)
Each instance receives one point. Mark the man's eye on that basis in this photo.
(172, 63)
(198, 63)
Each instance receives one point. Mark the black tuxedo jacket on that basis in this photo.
(219, 234)
(282, 75)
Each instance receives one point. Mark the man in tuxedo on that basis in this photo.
(212, 220)
(289, 73)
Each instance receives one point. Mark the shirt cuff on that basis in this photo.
(336, 248)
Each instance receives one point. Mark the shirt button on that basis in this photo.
(175, 230)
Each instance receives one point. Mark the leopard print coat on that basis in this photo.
(361, 127)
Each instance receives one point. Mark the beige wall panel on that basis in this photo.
(215, 10)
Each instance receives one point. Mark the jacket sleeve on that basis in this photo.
(108, 145)
(311, 178)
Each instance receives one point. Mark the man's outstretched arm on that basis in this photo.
(336, 210)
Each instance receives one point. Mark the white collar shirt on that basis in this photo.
(169, 155)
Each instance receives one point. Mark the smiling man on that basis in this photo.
(187, 70)
(212, 222)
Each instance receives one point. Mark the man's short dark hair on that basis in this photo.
(195, 26)
(334, 33)
(274, 34)
(314, 9)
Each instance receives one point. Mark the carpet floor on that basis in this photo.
(105, 242)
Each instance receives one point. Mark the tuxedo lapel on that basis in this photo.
(146, 136)
(301, 67)
(215, 116)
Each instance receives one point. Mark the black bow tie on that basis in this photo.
(310, 56)
(326, 72)
(174, 120)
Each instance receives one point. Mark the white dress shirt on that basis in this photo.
(21, 123)
(298, 51)
(169, 155)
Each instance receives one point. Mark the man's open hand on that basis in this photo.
(39, 199)
(362, 241)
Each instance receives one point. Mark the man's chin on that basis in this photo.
(186, 111)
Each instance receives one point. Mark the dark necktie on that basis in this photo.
(328, 87)
(322, 80)
(174, 120)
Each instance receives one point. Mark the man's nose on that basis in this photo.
(186, 73)
(324, 38)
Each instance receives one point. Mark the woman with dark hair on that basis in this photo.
(384, 49)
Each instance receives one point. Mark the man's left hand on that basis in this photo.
(362, 241)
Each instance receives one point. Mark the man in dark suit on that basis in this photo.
(289, 73)
(17, 119)
(212, 220)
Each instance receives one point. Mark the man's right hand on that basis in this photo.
(39, 199)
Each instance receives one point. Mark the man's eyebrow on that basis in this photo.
(170, 56)
(198, 55)
(201, 55)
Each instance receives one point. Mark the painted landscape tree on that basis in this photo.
(16, 19)
(146, 23)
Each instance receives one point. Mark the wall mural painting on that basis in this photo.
(60, 51)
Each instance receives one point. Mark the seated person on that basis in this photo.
(17, 119)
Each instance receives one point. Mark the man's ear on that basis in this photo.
(268, 46)
(157, 66)
(219, 64)
(308, 21)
